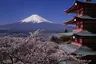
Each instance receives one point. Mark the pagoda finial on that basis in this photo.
(87, 0)
(75, 0)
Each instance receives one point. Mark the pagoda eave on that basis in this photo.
(77, 49)
(77, 5)
(84, 34)
(70, 22)
(72, 9)
(86, 18)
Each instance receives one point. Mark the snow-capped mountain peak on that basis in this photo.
(35, 19)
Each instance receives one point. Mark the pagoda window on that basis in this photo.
(80, 12)
(80, 40)
(79, 24)
(77, 40)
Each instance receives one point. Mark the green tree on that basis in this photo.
(65, 30)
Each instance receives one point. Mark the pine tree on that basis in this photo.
(65, 30)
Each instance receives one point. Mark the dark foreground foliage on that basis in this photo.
(61, 40)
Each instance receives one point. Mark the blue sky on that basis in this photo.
(12, 11)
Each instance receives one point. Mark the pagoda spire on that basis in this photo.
(87, 0)
(75, 0)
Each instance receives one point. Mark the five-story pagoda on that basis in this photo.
(85, 20)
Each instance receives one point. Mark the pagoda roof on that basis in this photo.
(70, 22)
(84, 33)
(67, 34)
(81, 33)
(85, 17)
(77, 4)
(79, 50)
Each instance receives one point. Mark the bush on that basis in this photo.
(61, 39)
(56, 40)
(65, 39)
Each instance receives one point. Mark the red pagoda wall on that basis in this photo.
(90, 11)
(89, 26)
(85, 41)
(90, 42)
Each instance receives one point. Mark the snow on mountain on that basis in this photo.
(35, 19)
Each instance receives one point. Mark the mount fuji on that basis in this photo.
(35, 19)
(33, 23)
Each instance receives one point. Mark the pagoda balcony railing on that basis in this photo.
(77, 29)
(77, 43)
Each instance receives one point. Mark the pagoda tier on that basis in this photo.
(83, 23)
(85, 38)
(84, 18)
(84, 35)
